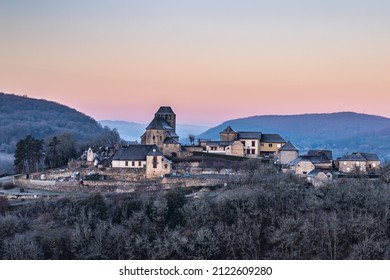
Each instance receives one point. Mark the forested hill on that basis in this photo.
(21, 116)
(342, 132)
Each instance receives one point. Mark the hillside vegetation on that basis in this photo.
(279, 218)
(342, 132)
(21, 116)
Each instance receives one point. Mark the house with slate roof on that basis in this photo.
(252, 144)
(319, 177)
(162, 132)
(320, 160)
(358, 162)
(142, 157)
(288, 153)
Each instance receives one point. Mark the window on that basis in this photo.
(139, 163)
(345, 163)
(279, 145)
(253, 151)
(270, 145)
(374, 165)
(243, 143)
(126, 163)
(357, 163)
(304, 172)
(348, 169)
(154, 161)
(253, 143)
(166, 166)
(262, 145)
(154, 137)
(133, 163)
(248, 151)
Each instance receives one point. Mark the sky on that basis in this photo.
(211, 60)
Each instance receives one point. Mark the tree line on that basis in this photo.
(32, 155)
(280, 217)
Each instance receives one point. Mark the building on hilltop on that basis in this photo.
(143, 157)
(288, 153)
(162, 132)
(251, 144)
(366, 163)
(315, 159)
(270, 145)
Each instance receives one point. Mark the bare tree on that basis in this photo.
(191, 137)
(385, 174)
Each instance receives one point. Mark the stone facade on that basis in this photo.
(157, 166)
(285, 157)
(359, 162)
(302, 167)
(319, 178)
(228, 135)
(237, 149)
(347, 166)
(288, 153)
(162, 132)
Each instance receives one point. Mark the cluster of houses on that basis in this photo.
(160, 144)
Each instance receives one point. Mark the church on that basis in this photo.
(162, 132)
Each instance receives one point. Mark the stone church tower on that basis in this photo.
(167, 113)
(162, 132)
(228, 135)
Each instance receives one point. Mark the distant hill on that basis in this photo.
(21, 116)
(342, 132)
(132, 131)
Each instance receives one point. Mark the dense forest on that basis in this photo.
(21, 116)
(341, 132)
(281, 217)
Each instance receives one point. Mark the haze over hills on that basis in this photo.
(342, 132)
(132, 131)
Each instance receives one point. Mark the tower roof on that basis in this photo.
(228, 129)
(165, 110)
(289, 147)
(159, 123)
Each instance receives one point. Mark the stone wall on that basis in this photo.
(286, 157)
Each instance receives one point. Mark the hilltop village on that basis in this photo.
(161, 154)
(159, 160)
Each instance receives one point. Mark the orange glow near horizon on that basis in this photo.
(123, 60)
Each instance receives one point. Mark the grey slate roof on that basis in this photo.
(313, 159)
(173, 134)
(370, 157)
(228, 129)
(298, 160)
(170, 141)
(134, 152)
(219, 143)
(289, 147)
(272, 138)
(249, 135)
(159, 123)
(315, 172)
(165, 110)
(352, 157)
(327, 153)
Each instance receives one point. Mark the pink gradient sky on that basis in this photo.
(210, 60)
